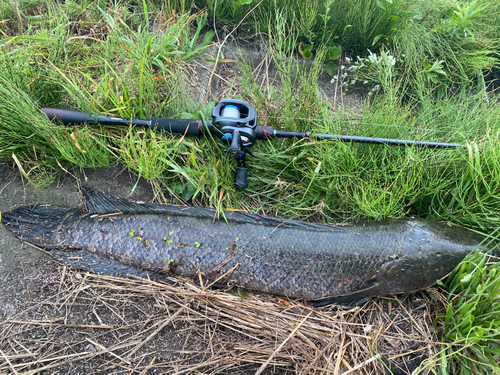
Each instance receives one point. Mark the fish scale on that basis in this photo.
(290, 258)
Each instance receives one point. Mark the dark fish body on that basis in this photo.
(284, 257)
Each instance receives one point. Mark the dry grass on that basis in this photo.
(89, 323)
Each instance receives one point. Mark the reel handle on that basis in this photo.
(241, 179)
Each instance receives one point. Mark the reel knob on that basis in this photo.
(241, 179)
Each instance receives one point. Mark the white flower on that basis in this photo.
(347, 59)
(353, 82)
(367, 328)
(403, 54)
(342, 67)
(466, 278)
(375, 88)
(365, 82)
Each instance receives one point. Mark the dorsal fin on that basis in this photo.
(100, 203)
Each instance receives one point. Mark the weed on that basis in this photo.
(379, 69)
(469, 327)
(426, 33)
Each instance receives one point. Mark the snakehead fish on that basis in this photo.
(319, 263)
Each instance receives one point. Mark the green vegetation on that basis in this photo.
(435, 63)
(470, 326)
(464, 35)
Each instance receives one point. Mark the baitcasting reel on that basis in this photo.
(236, 121)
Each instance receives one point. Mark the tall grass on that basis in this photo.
(134, 68)
(462, 35)
(99, 58)
(469, 326)
(316, 21)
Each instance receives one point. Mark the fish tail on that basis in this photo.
(36, 224)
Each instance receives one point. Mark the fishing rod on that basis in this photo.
(235, 122)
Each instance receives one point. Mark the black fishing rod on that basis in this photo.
(235, 122)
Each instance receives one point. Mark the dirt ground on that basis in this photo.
(56, 320)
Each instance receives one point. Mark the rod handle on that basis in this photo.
(67, 116)
(178, 126)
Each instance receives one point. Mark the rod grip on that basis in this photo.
(67, 116)
(178, 126)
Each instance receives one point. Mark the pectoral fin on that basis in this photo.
(87, 261)
(349, 299)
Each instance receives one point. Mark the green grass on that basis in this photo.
(459, 37)
(131, 60)
(132, 71)
(469, 327)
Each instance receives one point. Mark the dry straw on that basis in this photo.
(99, 324)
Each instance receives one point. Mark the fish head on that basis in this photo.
(421, 264)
